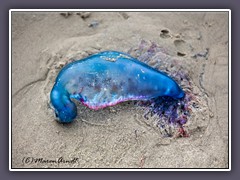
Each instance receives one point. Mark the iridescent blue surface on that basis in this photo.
(105, 79)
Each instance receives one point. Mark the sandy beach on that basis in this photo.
(117, 136)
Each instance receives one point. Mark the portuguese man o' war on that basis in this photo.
(106, 79)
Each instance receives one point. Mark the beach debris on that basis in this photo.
(203, 54)
(93, 24)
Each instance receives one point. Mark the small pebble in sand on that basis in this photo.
(112, 110)
(181, 54)
(165, 33)
(211, 115)
(66, 14)
(84, 15)
(177, 36)
(59, 65)
(185, 22)
(124, 15)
